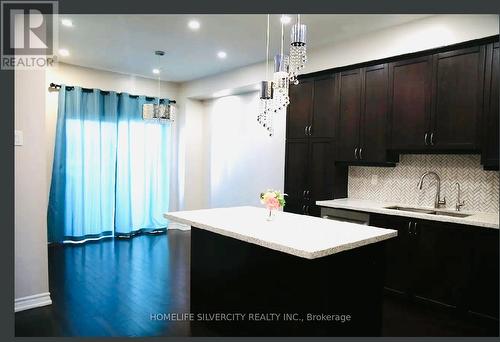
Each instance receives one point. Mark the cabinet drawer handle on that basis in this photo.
(425, 138)
(360, 151)
(356, 153)
(432, 138)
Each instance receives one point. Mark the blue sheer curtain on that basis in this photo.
(142, 177)
(110, 172)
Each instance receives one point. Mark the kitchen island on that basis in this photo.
(293, 276)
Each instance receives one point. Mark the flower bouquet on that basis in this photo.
(273, 200)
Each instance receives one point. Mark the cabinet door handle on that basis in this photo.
(425, 138)
(304, 209)
(305, 130)
(356, 153)
(310, 127)
(432, 138)
(414, 228)
(304, 193)
(307, 209)
(409, 227)
(307, 193)
(360, 151)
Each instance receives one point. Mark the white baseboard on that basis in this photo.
(177, 225)
(30, 302)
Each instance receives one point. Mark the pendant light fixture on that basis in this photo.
(274, 95)
(298, 51)
(281, 76)
(265, 116)
(163, 110)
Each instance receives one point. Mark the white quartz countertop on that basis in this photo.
(487, 220)
(303, 236)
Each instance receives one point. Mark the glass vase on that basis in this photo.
(271, 213)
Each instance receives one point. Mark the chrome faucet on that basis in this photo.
(437, 201)
(459, 203)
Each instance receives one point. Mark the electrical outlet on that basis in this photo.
(18, 138)
(374, 180)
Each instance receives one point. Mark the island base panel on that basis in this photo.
(233, 276)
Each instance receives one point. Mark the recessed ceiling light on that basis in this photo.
(194, 24)
(67, 22)
(285, 19)
(63, 52)
(156, 71)
(221, 54)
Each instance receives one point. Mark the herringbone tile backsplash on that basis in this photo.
(399, 184)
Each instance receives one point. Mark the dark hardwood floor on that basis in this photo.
(111, 288)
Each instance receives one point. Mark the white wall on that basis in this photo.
(242, 159)
(427, 33)
(106, 80)
(30, 217)
(191, 163)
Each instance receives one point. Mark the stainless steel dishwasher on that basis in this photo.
(345, 215)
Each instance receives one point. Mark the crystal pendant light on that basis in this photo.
(265, 116)
(281, 77)
(298, 52)
(163, 110)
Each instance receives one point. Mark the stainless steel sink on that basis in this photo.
(450, 213)
(428, 211)
(412, 209)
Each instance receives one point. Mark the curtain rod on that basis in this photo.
(56, 87)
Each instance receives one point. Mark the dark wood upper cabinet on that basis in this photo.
(457, 99)
(349, 98)
(410, 103)
(490, 122)
(311, 112)
(374, 115)
(324, 114)
(362, 106)
(300, 109)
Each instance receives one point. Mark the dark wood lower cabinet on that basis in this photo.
(440, 262)
(397, 275)
(484, 273)
(449, 264)
(258, 280)
(302, 207)
(311, 175)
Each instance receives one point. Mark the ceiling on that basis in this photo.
(126, 43)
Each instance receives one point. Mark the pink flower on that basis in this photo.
(272, 203)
